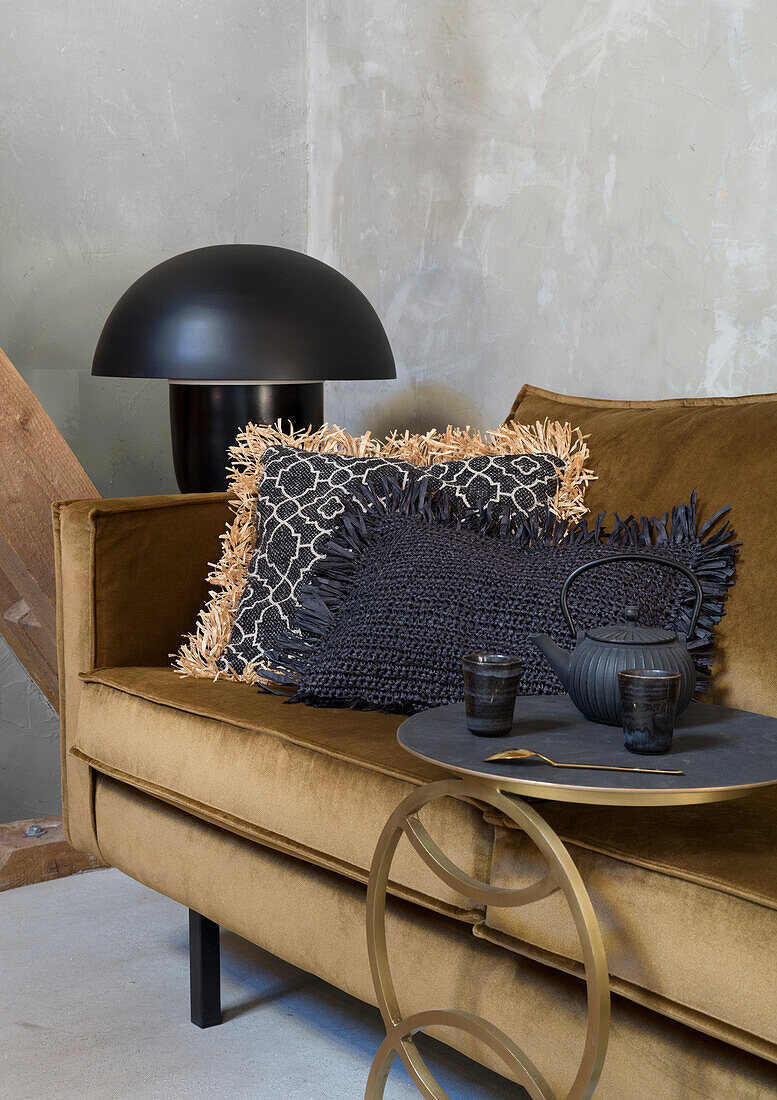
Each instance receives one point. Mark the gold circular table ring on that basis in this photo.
(562, 875)
(711, 742)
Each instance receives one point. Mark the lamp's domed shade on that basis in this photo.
(246, 313)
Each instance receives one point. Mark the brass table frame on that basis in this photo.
(562, 874)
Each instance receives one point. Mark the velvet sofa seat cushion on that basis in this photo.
(686, 899)
(647, 452)
(322, 790)
(320, 785)
(315, 920)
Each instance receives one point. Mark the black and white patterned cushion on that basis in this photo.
(301, 498)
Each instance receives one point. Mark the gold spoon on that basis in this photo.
(524, 754)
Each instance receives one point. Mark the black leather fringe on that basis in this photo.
(715, 553)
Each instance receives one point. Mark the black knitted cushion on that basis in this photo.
(301, 497)
(412, 580)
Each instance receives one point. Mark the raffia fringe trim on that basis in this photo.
(202, 649)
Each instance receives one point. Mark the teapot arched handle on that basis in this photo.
(655, 559)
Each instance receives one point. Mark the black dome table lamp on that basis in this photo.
(243, 332)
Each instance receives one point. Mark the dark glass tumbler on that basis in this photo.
(648, 706)
(490, 686)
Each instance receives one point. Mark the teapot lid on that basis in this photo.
(629, 633)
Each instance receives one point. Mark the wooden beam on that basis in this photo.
(20, 614)
(28, 859)
(36, 468)
(30, 643)
(33, 596)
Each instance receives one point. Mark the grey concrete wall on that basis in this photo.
(576, 194)
(130, 130)
(29, 745)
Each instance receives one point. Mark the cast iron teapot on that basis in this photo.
(590, 672)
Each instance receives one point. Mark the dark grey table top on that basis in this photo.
(724, 753)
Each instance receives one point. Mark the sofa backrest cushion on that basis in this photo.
(649, 454)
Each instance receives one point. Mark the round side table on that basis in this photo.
(723, 753)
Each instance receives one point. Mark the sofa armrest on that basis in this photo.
(131, 579)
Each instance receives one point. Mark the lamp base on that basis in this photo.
(205, 420)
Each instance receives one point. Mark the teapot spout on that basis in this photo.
(557, 658)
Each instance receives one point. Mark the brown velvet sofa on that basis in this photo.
(263, 816)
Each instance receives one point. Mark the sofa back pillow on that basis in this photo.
(412, 580)
(228, 640)
(300, 501)
(648, 452)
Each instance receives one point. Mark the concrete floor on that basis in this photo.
(94, 1006)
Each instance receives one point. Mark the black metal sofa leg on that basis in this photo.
(204, 970)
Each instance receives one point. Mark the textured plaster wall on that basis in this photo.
(130, 130)
(29, 745)
(574, 193)
(577, 194)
